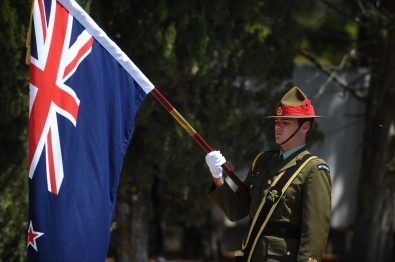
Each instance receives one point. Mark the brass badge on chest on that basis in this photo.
(273, 195)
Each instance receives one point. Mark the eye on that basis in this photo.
(283, 122)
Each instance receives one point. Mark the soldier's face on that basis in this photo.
(284, 128)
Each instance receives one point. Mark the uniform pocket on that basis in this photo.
(276, 246)
(286, 249)
(287, 205)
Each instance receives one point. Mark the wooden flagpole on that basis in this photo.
(198, 139)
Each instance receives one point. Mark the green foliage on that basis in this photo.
(13, 215)
(13, 84)
(170, 40)
(203, 56)
(200, 55)
(329, 29)
(14, 17)
(85, 4)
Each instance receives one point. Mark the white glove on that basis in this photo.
(215, 160)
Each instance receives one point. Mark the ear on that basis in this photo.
(306, 127)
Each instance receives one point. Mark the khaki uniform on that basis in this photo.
(305, 205)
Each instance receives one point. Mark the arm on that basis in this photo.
(235, 205)
(316, 212)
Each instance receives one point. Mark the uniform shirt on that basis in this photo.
(306, 203)
(287, 153)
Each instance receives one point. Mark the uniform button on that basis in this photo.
(252, 186)
(269, 182)
(288, 253)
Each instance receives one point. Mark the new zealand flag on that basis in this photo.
(84, 95)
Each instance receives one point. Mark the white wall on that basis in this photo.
(343, 129)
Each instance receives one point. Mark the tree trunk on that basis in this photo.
(374, 228)
(157, 224)
(132, 220)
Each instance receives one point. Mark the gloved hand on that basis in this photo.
(215, 160)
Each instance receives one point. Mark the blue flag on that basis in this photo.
(84, 95)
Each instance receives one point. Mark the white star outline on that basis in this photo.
(32, 236)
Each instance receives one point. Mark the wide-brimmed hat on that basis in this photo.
(294, 104)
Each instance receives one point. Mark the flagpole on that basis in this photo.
(195, 135)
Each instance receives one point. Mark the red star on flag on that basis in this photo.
(32, 236)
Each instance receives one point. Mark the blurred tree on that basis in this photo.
(374, 226)
(363, 34)
(198, 49)
(14, 17)
(13, 85)
(200, 55)
(206, 57)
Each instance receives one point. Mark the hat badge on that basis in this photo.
(279, 111)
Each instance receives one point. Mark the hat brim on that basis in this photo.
(298, 117)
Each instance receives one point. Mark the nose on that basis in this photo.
(277, 125)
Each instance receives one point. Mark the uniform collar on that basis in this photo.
(295, 156)
(287, 153)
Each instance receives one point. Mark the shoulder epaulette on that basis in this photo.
(254, 162)
(269, 154)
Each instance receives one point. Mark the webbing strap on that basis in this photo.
(269, 203)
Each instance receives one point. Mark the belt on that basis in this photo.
(282, 229)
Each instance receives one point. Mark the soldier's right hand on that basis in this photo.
(215, 160)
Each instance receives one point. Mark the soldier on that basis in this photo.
(290, 191)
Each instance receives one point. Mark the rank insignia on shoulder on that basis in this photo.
(311, 259)
(323, 167)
